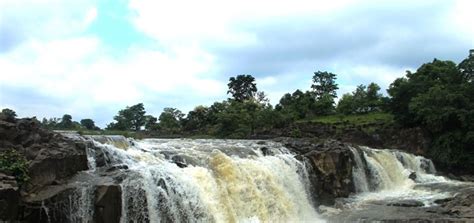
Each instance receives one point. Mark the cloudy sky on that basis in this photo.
(92, 58)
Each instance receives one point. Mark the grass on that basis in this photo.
(362, 119)
(368, 123)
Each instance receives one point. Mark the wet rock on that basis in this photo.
(179, 161)
(9, 198)
(266, 151)
(330, 171)
(406, 203)
(108, 200)
(412, 176)
(117, 167)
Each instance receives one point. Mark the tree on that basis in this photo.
(131, 118)
(88, 124)
(324, 83)
(8, 115)
(242, 87)
(362, 100)
(170, 120)
(404, 89)
(197, 119)
(346, 104)
(151, 123)
(298, 105)
(467, 68)
(438, 98)
(66, 122)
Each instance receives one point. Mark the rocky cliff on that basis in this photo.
(51, 159)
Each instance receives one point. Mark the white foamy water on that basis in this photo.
(394, 175)
(218, 181)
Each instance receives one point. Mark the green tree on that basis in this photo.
(298, 105)
(242, 87)
(131, 118)
(66, 122)
(324, 83)
(8, 115)
(467, 68)
(198, 119)
(170, 120)
(88, 124)
(151, 123)
(347, 105)
(437, 97)
(403, 90)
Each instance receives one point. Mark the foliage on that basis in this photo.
(297, 106)
(362, 100)
(131, 118)
(438, 97)
(66, 122)
(88, 124)
(466, 67)
(242, 87)
(170, 120)
(151, 123)
(324, 83)
(8, 115)
(15, 164)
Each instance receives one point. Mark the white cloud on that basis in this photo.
(58, 60)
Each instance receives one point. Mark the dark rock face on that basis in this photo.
(331, 165)
(52, 160)
(9, 197)
(51, 156)
(108, 204)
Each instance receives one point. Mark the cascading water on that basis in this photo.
(184, 180)
(377, 170)
(210, 181)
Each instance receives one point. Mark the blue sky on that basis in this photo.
(92, 58)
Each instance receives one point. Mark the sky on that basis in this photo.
(90, 58)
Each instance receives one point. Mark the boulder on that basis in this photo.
(330, 171)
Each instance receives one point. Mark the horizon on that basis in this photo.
(90, 59)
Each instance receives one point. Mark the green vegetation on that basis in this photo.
(8, 115)
(15, 164)
(438, 97)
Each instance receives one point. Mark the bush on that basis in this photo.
(14, 163)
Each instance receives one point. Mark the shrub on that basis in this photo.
(14, 163)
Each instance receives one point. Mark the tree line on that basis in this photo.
(438, 97)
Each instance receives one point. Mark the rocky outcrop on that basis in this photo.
(330, 168)
(9, 197)
(51, 160)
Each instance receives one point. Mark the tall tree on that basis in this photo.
(170, 120)
(324, 83)
(88, 123)
(242, 87)
(66, 122)
(131, 118)
(467, 67)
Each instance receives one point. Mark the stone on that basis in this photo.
(108, 204)
(9, 198)
(330, 171)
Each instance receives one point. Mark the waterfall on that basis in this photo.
(184, 180)
(377, 170)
